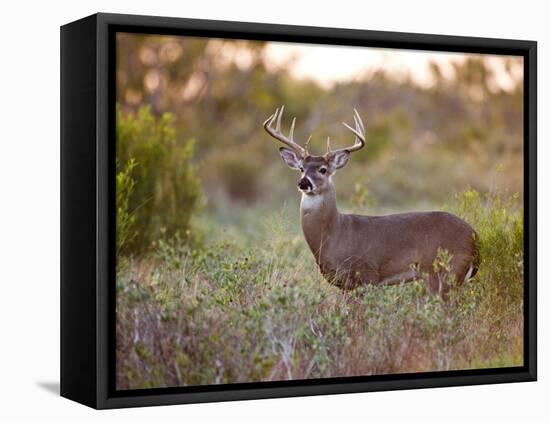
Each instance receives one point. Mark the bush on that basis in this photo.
(166, 190)
(125, 218)
(498, 219)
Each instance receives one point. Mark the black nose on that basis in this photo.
(304, 184)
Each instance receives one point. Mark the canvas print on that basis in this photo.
(296, 211)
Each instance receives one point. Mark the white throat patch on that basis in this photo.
(311, 201)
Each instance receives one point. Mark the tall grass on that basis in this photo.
(255, 308)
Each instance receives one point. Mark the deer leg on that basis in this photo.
(437, 284)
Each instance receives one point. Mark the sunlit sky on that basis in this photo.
(329, 64)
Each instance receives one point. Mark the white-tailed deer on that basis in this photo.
(353, 250)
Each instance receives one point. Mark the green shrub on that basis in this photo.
(166, 190)
(125, 217)
(498, 219)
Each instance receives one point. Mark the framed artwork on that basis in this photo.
(257, 211)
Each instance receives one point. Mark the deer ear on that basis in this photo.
(339, 159)
(290, 158)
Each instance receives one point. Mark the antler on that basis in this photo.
(277, 134)
(359, 132)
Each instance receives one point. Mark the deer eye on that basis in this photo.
(301, 169)
(323, 170)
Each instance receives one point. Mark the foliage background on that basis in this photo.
(204, 186)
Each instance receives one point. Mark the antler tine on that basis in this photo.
(306, 145)
(356, 115)
(278, 126)
(357, 124)
(277, 134)
(269, 121)
(328, 145)
(358, 131)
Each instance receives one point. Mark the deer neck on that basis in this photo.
(319, 217)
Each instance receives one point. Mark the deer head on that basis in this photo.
(316, 171)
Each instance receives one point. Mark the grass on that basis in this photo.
(245, 306)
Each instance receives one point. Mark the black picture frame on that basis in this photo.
(88, 213)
